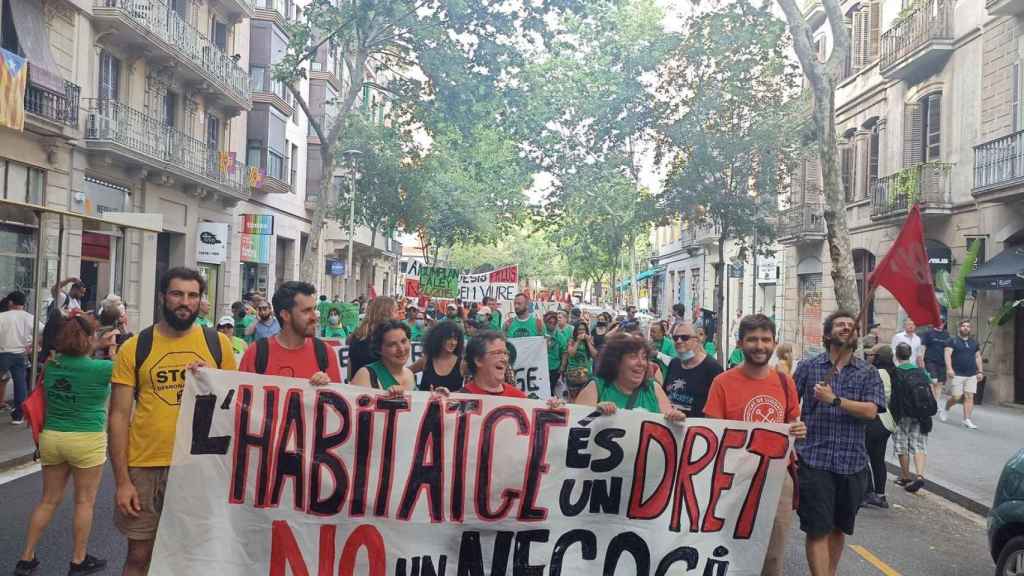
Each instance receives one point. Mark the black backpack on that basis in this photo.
(918, 398)
(263, 355)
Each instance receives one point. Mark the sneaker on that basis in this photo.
(874, 500)
(17, 421)
(943, 413)
(914, 486)
(88, 565)
(26, 567)
(882, 502)
(969, 425)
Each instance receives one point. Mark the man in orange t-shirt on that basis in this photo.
(754, 392)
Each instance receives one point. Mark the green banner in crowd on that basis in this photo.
(349, 314)
(439, 282)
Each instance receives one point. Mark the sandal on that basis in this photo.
(903, 482)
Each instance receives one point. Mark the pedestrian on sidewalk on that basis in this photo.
(935, 341)
(913, 405)
(909, 337)
(753, 392)
(16, 326)
(149, 378)
(840, 394)
(295, 351)
(963, 370)
(876, 435)
(73, 442)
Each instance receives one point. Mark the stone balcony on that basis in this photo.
(140, 142)
(924, 184)
(1004, 7)
(802, 223)
(999, 166)
(50, 113)
(151, 28)
(918, 44)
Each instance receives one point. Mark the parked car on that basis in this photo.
(1006, 520)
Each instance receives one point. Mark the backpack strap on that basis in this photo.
(320, 348)
(262, 355)
(213, 345)
(374, 383)
(143, 346)
(785, 394)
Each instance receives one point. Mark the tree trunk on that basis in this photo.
(721, 277)
(820, 77)
(373, 267)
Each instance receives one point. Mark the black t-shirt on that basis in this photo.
(359, 355)
(687, 389)
(964, 361)
(934, 342)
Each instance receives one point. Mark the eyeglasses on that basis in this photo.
(498, 353)
(682, 337)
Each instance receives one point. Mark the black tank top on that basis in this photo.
(452, 381)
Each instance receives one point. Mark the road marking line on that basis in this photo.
(18, 472)
(874, 561)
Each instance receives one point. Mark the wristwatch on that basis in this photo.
(836, 402)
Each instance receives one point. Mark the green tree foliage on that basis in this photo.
(538, 259)
(724, 131)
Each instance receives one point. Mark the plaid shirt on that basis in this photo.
(835, 438)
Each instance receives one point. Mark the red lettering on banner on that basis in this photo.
(688, 468)
(769, 445)
(284, 551)
(658, 501)
(722, 480)
(365, 536)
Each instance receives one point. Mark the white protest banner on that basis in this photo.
(273, 476)
(531, 366)
(341, 349)
(501, 284)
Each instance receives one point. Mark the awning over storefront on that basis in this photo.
(641, 277)
(1003, 272)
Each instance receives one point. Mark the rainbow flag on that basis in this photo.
(258, 224)
(255, 248)
(13, 79)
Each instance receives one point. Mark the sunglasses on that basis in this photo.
(682, 337)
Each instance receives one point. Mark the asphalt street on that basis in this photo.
(920, 535)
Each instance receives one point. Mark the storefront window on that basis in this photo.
(22, 183)
(17, 260)
(101, 197)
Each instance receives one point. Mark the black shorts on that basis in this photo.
(553, 376)
(829, 501)
(936, 370)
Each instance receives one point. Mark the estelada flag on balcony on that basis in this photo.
(905, 273)
(226, 162)
(13, 79)
(256, 177)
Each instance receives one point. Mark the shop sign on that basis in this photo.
(212, 242)
(255, 248)
(258, 224)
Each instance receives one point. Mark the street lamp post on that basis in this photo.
(351, 155)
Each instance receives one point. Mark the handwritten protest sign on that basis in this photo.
(273, 476)
(499, 284)
(439, 282)
(531, 366)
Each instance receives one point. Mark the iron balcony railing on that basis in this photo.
(261, 79)
(930, 20)
(62, 108)
(802, 220)
(138, 134)
(999, 162)
(927, 184)
(187, 42)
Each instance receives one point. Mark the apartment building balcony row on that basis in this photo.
(278, 169)
(277, 11)
(154, 28)
(1004, 7)
(51, 113)
(803, 222)
(999, 166)
(919, 42)
(137, 140)
(926, 184)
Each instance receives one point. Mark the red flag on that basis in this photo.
(904, 272)
(373, 293)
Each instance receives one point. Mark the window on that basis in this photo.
(22, 183)
(874, 149)
(294, 163)
(922, 130)
(275, 165)
(104, 197)
(170, 107)
(219, 34)
(847, 163)
(110, 77)
(252, 153)
(865, 19)
(8, 34)
(212, 132)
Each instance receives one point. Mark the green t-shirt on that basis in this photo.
(204, 322)
(668, 348)
(384, 378)
(710, 350)
(646, 397)
(77, 390)
(523, 328)
(238, 345)
(555, 350)
(736, 357)
(496, 320)
(581, 359)
(324, 310)
(335, 332)
(242, 325)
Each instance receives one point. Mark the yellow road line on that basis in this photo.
(874, 560)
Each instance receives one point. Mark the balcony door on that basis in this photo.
(104, 122)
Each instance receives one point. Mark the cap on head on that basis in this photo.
(226, 321)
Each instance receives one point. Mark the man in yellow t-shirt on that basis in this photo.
(141, 453)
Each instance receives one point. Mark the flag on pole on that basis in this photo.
(905, 273)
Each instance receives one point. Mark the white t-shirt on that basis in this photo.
(15, 331)
(914, 341)
(72, 303)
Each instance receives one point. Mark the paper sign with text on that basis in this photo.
(273, 476)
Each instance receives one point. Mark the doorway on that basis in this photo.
(1018, 351)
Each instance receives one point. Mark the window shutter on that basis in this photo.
(857, 43)
(846, 163)
(911, 135)
(874, 25)
(796, 184)
(934, 135)
(812, 193)
(1015, 96)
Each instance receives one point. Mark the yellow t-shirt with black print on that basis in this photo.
(160, 384)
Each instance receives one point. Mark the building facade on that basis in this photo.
(927, 110)
(162, 115)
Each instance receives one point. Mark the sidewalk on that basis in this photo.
(964, 465)
(16, 445)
